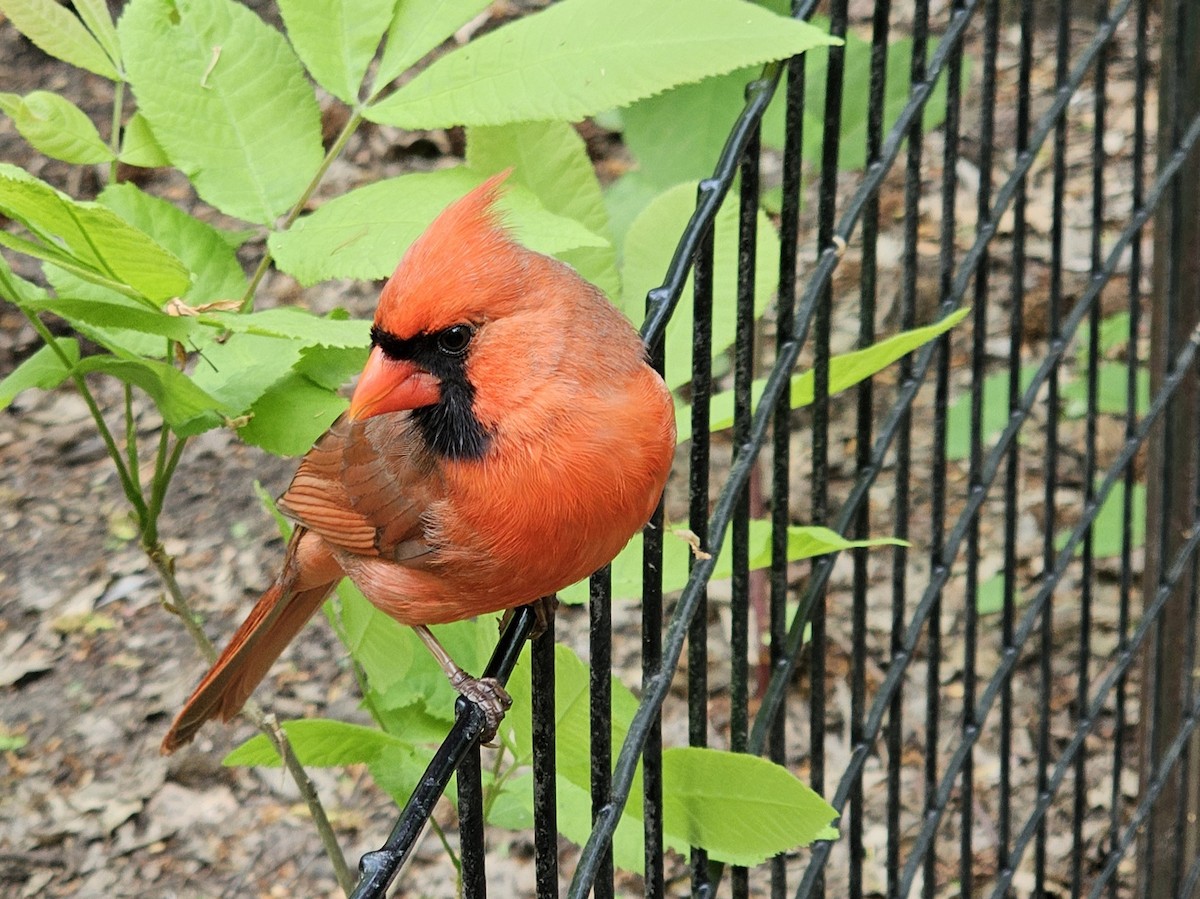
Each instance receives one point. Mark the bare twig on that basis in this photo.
(179, 605)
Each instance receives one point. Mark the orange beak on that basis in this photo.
(392, 385)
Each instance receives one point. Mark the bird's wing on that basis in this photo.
(366, 487)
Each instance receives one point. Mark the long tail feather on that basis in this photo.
(271, 625)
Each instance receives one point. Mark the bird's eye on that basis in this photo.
(454, 340)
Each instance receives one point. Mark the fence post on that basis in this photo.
(1171, 839)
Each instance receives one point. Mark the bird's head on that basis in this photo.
(460, 300)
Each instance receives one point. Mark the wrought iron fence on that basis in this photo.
(1006, 705)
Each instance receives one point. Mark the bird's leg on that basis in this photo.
(485, 692)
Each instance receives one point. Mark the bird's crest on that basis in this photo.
(466, 266)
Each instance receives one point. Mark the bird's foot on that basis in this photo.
(543, 614)
(487, 693)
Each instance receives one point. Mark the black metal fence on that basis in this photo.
(1006, 706)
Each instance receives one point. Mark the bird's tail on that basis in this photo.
(271, 625)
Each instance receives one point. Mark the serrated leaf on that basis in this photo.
(55, 126)
(742, 808)
(104, 248)
(99, 22)
(418, 27)
(186, 408)
(239, 370)
(363, 233)
(44, 370)
(227, 100)
(290, 415)
(580, 57)
(550, 159)
(299, 325)
(215, 271)
(649, 246)
(56, 31)
(139, 146)
(337, 39)
(319, 742)
(845, 370)
(118, 312)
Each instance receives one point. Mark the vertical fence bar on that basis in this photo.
(1016, 333)
(903, 473)
(470, 825)
(863, 434)
(1087, 561)
(1137, 198)
(826, 222)
(652, 623)
(698, 484)
(600, 710)
(743, 375)
(1050, 475)
(545, 800)
(1171, 471)
(785, 326)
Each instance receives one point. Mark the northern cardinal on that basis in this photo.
(505, 439)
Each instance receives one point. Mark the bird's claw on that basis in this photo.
(491, 698)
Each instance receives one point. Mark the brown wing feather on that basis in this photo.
(366, 488)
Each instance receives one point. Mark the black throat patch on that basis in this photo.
(449, 426)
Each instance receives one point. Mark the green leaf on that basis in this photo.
(678, 135)
(117, 312)
(852, 152)
(44, 370)
(139, 146)
(57, 127)
(215, 271)
(419, 26)
(52, 27)
(572, 731)
(319, 742)
(239, 370)
(994, 414)
(227, 100)
(94, 240)
(299, 325)
(290, 415)
(377, 642)
(398, 769)
(550, 159)
(1111, 378)
(649, 246)
(845, 370)
(186, 408)
(1108, 525)
(363, 233)
(337, 39)
(742, 808)
(581, 57)
(99, 22)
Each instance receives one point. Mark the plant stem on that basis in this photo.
(130, 487)
(335, 150)
(131, 447)
(165, 566)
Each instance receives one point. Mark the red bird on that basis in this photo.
(505, 439)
